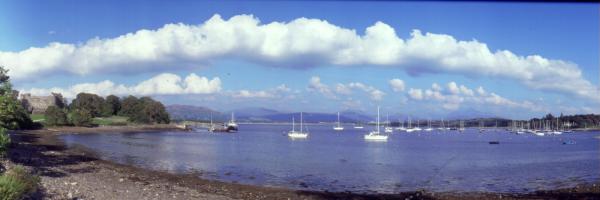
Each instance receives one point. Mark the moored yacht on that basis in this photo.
(297, 134)
(376, 135)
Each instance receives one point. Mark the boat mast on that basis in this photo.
(301, 122)
(293, 125)
(377, 119)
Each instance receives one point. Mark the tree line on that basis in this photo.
(86, 106)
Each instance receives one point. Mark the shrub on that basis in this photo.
(55, 116)
(4, 141)
(81, 117)
(17, 183)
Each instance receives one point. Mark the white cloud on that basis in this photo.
(397, 85)
(453, 88)
(298, 43)
(416, 94)
(277, 92)
(315, 84)
(458, 95)
(162, 84)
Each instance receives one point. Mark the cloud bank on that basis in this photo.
(300, 43)
(162, 84)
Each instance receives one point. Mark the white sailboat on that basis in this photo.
(388, 128)
(416, 128)
(401, 127)
(297, 134)
(338, 127)
(429, 126)
(376, 135)
(231, 125)
(410, 128)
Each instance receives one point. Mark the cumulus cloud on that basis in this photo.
(162, 84)
(416, 94)
(299, 43)
(277, 92)
(315, 84)
(397, 85)
(457, 95)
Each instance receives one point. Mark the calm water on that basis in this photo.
(340, 161)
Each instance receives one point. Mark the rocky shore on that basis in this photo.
(73, 173)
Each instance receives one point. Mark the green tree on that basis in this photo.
(90, 102)
(129, 106)
(55, 116)
(148, 111)
(4, 141)
(81, 117)
(112, 104)
(12, 113)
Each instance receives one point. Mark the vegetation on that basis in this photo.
(4, 141)
(81, 117)
(12, 113)
(90, 102)
(16, 183)
(111, 121)
(55, 116)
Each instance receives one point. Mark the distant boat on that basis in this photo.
(376, 135)
(410, 128)
(358, 126)
(297, 134)
(429, 126)
(338, 127)
(387, 127)
(494, 142)
(231, 125)
(401, 127)
(569, 142)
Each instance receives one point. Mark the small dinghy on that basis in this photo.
(494, 142)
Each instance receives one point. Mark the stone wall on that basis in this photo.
(39, 104)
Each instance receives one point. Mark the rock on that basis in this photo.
(121, 180)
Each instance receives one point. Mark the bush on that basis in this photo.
(55, 116)
(17, 183)
(81, 117)
(4, 141)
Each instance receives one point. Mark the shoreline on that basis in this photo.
(78, 173)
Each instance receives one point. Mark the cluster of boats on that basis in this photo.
(539, 129)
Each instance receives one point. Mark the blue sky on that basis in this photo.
(555, 31)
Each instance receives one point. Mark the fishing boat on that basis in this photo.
(376, 135)
(338, 127)
(297, 134)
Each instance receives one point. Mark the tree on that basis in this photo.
(112, 105)
(90, 102)
(55, 116)
(129, 106)
(81, 117)
(12, 113)
(147, 110)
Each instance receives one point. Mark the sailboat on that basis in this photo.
(231, 125)
(417, 127)
(338, 127)
(297, 134)
(429, 126)
(376, 135)
(387, 128)
(410, 128)
(401, 127)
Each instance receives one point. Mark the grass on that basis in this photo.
(38, 117)
(110, 121)
(17, 183)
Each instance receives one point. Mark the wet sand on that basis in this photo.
(70, 173)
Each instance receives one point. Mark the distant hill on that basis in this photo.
(468, 113)
(258, 114)
(187, 112)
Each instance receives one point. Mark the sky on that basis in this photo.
(425, 59)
